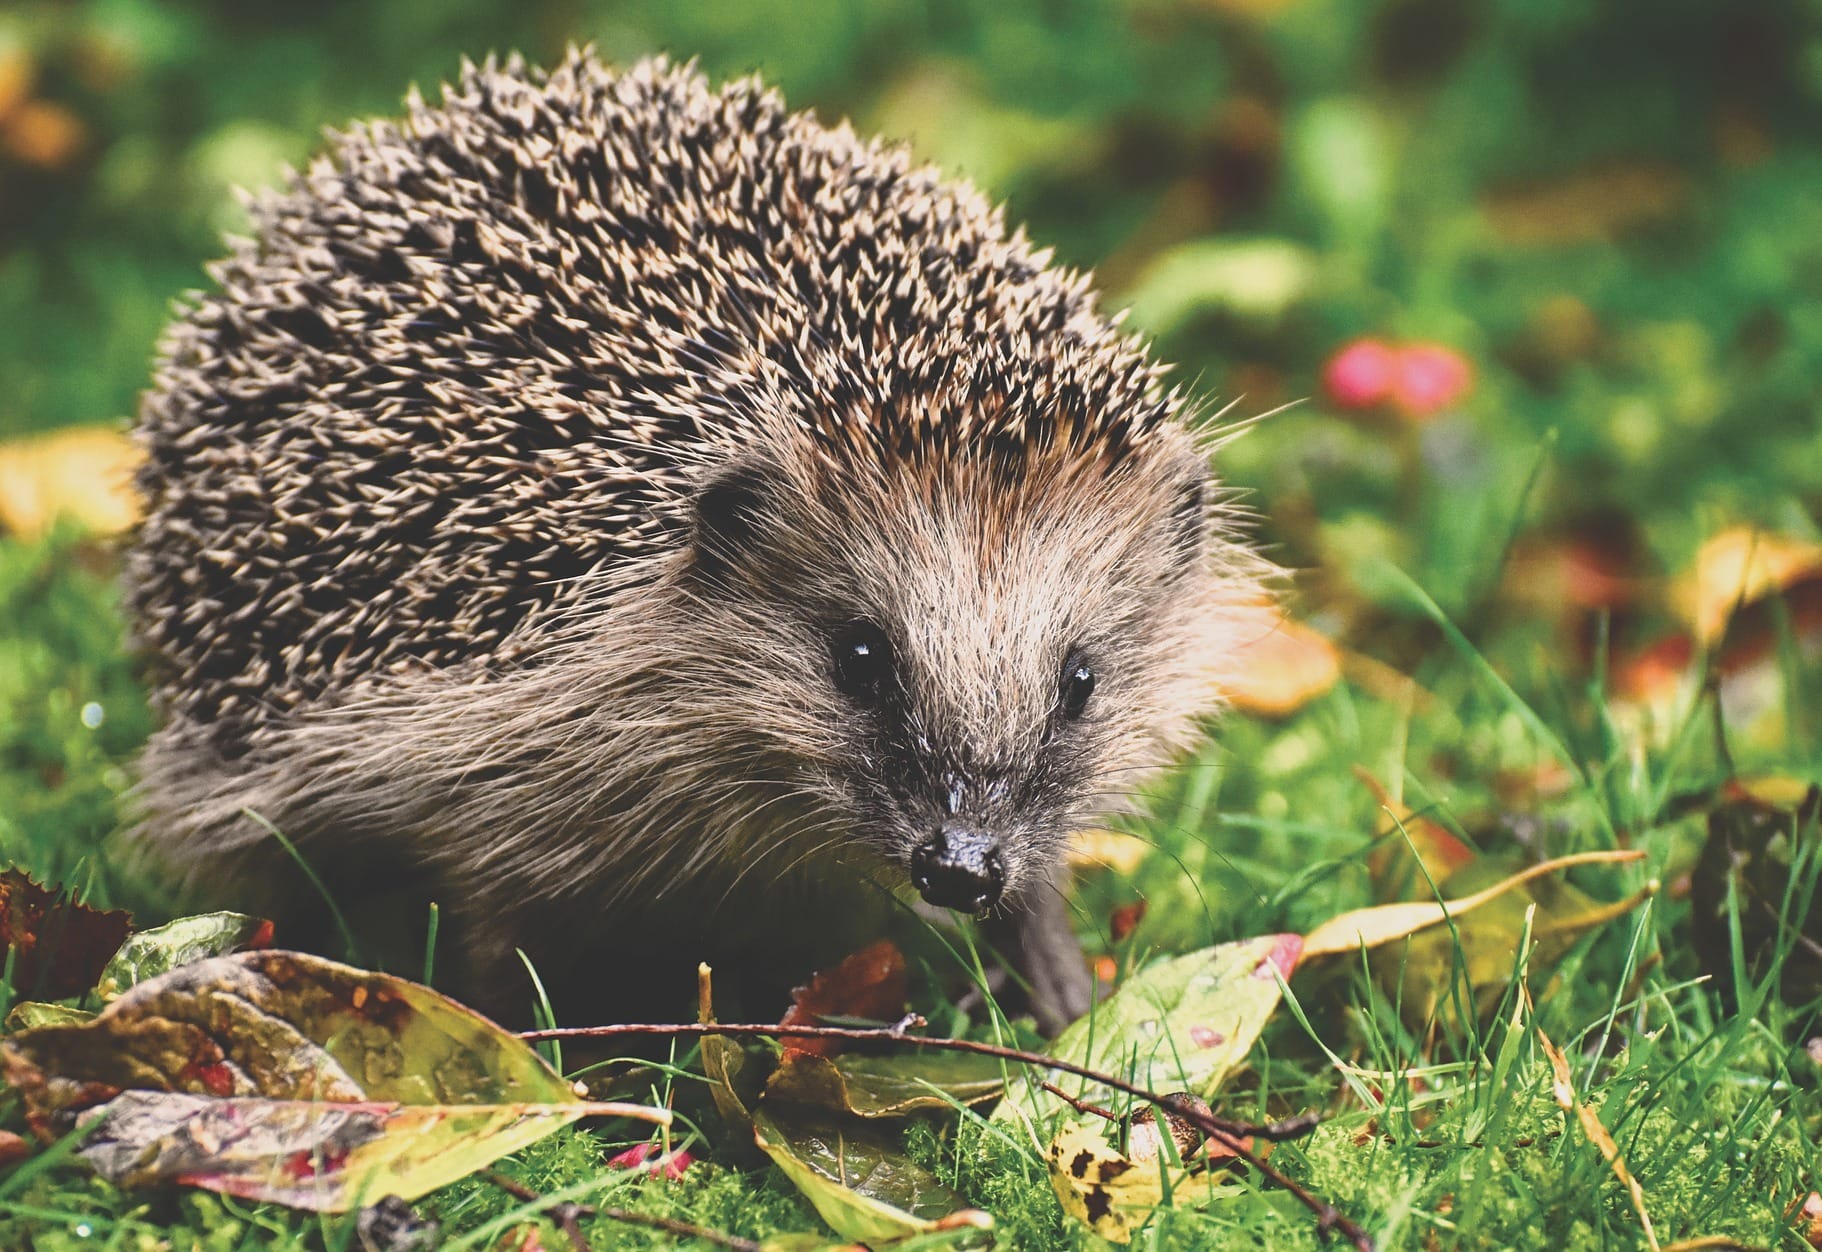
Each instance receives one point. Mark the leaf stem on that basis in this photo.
(1229, 1133)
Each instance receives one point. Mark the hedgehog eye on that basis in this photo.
(1078, 685)
(863, 661)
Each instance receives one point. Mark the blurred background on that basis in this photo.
(1539, 280)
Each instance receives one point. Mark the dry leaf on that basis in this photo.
(1563, 1088)
(43, 133)
(282, 1076)
(1098, 1186)
(1384, 923)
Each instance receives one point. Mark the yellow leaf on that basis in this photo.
(1107, 849)
(1736, 567)
(1384, 923)
(1280, 665)
(85, 473)
(1111, 1195)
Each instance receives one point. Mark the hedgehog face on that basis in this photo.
(976, 664)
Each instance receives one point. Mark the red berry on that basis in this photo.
(1362, 374)
(1430, 378)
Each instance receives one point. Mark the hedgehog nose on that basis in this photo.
(959, 868)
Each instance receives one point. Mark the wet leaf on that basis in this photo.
(59, 946)
(1183, 1024)
(859, 1180)
(31, 1014)
(149, 953)
(287, 1077)
(890, 1086)
(868, 984)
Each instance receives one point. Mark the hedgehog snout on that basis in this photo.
(959, 867)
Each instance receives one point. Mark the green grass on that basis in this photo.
(1442, 1132)
(1260, 183)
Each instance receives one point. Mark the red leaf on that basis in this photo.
(869, 984)
(60, 947)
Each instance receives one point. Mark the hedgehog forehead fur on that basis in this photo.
(515, 474)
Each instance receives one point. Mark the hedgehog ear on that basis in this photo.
(728, 515)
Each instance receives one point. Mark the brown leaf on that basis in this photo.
(1806, 1216)
(868, 984)
(60, 947)
(1397, 873)
(1755, 834)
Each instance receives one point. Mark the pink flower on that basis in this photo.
(1362, 374)
(640, 1155)
(1429, 378)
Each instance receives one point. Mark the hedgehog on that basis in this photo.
(655, 527)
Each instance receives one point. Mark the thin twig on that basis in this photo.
(567, 1216)
(1229, 1133)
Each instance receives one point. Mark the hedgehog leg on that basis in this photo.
(1045, 950)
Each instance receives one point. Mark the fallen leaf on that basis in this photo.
(392, 1225)
(1806, 1216)
(85, 473)
(860, 1182)
(1756, 835)
(43, 133)
(671, 1165)
(1596, 205)
(1184, 1023)
(1410, 852)
(1103, 1189)
(281, 1076)
(1279, 665)
(31, 1014)
(1383, 923)
(149, 953)
(868, 984)
(1735, 568)
(13, 1149)
(59, 946)
(1107, 849)
(888, 1086)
